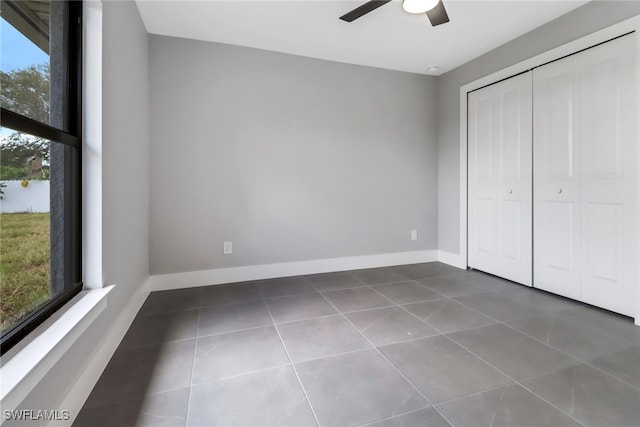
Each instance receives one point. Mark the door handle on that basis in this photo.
(559, 190)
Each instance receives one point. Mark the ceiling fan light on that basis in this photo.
(418, 6)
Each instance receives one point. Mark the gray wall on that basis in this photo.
(125, 147)
(125, 163)
(290, 158)
(578, 23)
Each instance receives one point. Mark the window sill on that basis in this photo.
(28, 362)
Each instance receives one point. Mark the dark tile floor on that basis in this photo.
(418, 345)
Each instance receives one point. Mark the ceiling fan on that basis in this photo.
(433, 8)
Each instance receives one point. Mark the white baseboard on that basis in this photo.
(454, 260)
(218, 276)
(79, 392)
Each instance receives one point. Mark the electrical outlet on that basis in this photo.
(414, 234)
(227, 248)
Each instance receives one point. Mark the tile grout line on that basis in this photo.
(441, 334)
(193, 367)
(264, 304)
(393, 305)
(316, 286)
(476, 393)
(288, 322)
(390, 364)
(424, 321)
(470, 328)
(364, 284)
(344, 353)
(450, 298)
(518, 382)
(293, 366)
(230, 377)
(141, 315)
(513, 381)
(406, 279)
(637, 387)
(401, 414)
(584, 362)
(337, 313)
(314, 291)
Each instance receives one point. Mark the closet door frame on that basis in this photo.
(630, 25)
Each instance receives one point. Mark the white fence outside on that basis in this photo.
(33, 198)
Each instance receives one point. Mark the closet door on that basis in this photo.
(609, 176)
(499, 191)
(586, 183)
(556, 168)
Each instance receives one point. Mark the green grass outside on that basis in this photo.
(24, 265)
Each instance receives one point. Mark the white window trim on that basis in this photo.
(26, 364)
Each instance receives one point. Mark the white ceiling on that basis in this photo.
(388, 37)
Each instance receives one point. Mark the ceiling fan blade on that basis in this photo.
(363, 10)
(438, 15)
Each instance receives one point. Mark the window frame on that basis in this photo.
(72, 137)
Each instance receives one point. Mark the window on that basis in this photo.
(40, 154)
